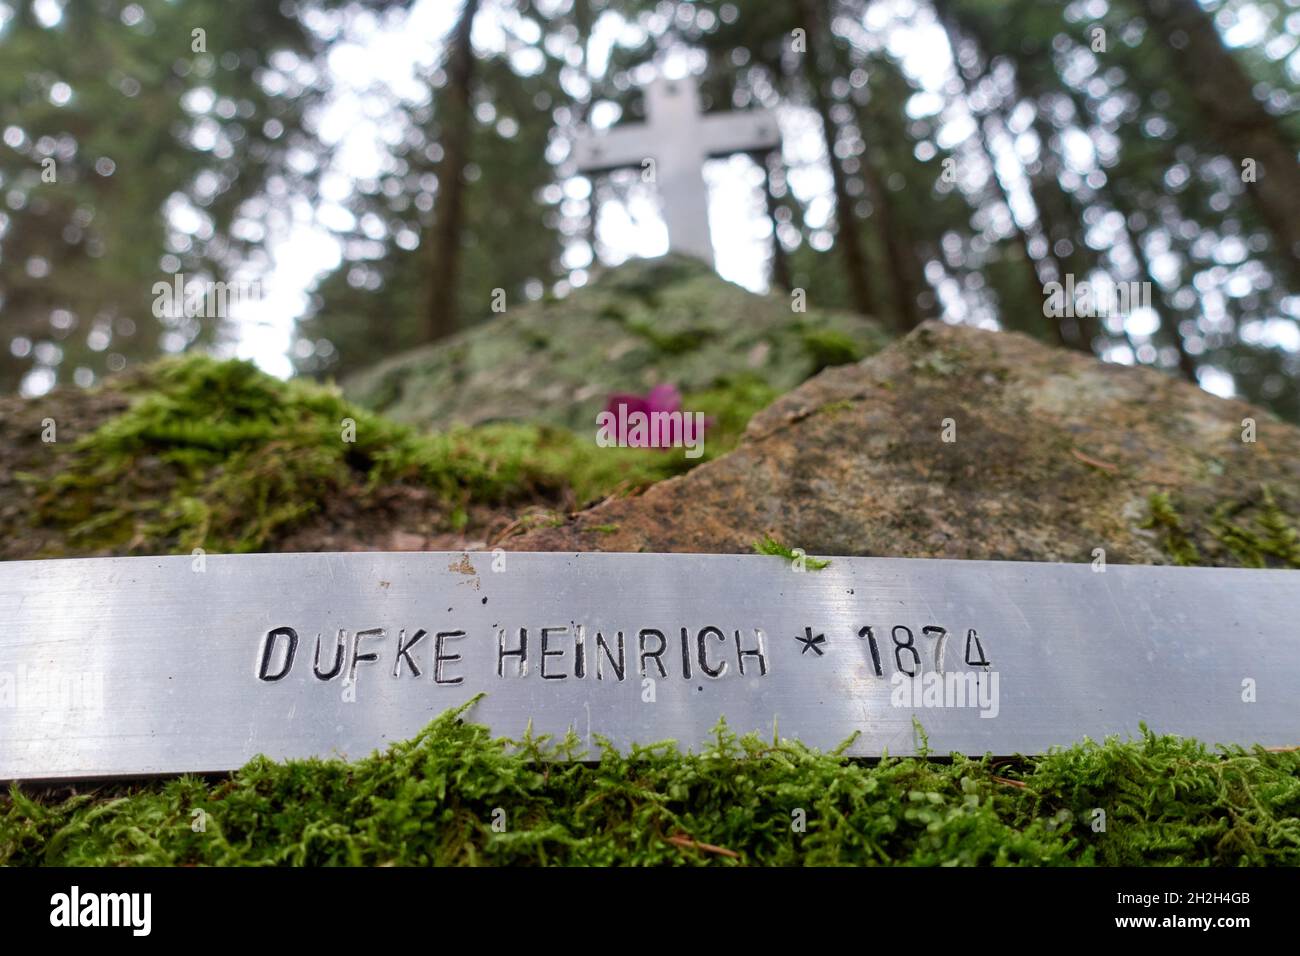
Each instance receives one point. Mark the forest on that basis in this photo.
(379, 171)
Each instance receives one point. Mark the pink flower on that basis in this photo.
(660, 399)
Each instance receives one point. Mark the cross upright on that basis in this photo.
(679, 138)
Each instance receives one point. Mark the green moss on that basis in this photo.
(645, 280)
(506, 462)
(828, 347)
(220, 456)
(670, 342)
(739, 800)
(1174, 540)
(535, 339)
(730, 404)
(1268, 539)
(938, 363)
(939, 358)
(1256, 532)
(1280, 537)
(604, 528)
(771, 546)
(832, 408)
(389, 386)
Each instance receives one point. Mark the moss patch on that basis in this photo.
(1256, 532)
(829, 347)
(771, 546)
(1174, 540)
(671, 343)
(217, 455)
(435, 799)
(647, 323)
(730, 404)
(220, 456)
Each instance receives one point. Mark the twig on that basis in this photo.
(1089, 460)
(687, 843)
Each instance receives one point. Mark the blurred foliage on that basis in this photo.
(377, 302)
(127, 156)
(1077, 139)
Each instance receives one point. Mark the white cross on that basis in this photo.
(679, 139)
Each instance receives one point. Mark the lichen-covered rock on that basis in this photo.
(669, 320)
(962, 443)
(1054, 455)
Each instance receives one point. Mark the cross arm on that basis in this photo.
(614, 148)
(739, 132)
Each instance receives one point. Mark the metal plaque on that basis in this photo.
(129, 666)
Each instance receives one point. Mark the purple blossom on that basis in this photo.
(661, 398)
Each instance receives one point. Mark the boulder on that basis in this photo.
(670, 320)
(961, 443)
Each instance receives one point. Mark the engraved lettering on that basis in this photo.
(272, 636)
(357, 657)
(579, 651)
(870, 635)
(522, 653)
(439, 658)
(546, 633)
(663, 646)
(340, 648)
(934, 630)
(900, 646)
(618, 667)
(710, 631)
(759, 652)
(404, 652)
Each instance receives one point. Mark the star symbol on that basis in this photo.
(811, 642)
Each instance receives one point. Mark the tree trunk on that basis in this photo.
(1034, 280)
(1044, 190)
(906, 271)
(1059, 218)
(1169, 314)
(847, 237)
(456, 125)
(583, 21)
(1236, 121)
(780, 278)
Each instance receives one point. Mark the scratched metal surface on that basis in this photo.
(150, 667)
